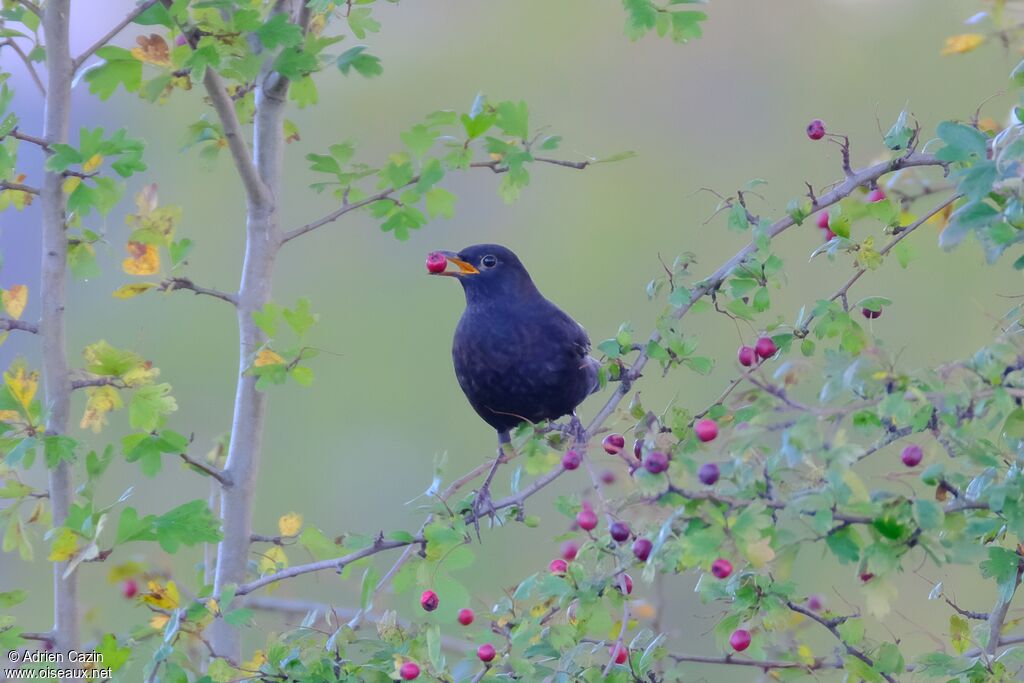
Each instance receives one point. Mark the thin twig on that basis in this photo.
(174, 283)
(219, 475)
(28, 65)
(131, 16)
(18, 187)
(115, 382)
(24, 137)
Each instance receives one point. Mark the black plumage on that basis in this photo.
(517, 356)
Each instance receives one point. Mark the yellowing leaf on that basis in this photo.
(805, 655)
(128, 291)
(959, 634)
(641, 609)
(153, 224)
(101, 401)
(965, 42)
(164, 597)
(153, 49)
(879, 595)
(124, 571)
(259, 658)
(290, 524)
(63, 546)
(22, 384)
(71, 184)
(212, 606)
(159, 621)
(268, 357)
(272, 559)
(144, 259)
(92, 163)
(14, 300)
(760, 553)
(10, 416)
(143, 373)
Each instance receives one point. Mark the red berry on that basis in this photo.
(569, 550)
(765, 347)
(815, 603)
(558, 567)
(587, 519)
(816, 129)
(410, 671)
(607, 477)
(740, 639)
(571, 460)
(429, 600)
(436, 262)
(656, 462)
(869, 314)
(466, 616)
(708, 473)
(912, 455)
(876, 195)
(642, 548)
(129, 588)
(706, 430)
(638, 449)
(866, 576)
(746, 356)
(619, 531)
(823, 220)
(485, 652)
(721, 568)
(619, 653)
(626, 579)
(613, 443)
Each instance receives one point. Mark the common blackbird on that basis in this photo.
(517, 356)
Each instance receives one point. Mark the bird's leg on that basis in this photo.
(576, 430)
(482, 504)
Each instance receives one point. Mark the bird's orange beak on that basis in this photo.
(464, 267)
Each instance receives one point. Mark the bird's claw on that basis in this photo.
(483, 506)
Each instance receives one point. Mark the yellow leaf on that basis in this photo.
(272, 560)
(259, 658)
(290, 524)
(805, 655)
(63, 546)
(10, 416)
(22, 384)
(71, 184)
(128, 291)
(124, 571)
(940, 219)
(143, 373)
(965, 42)
(92, 163)
(152, 49)
(268, 357)
(144, 259)
(164, 597)
(101, 401)
(760, 553)
(14, 300)
(212, 606)
(159, 621)
(642, 609)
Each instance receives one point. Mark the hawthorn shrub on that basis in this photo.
(732, 491)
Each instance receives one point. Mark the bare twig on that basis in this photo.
(832, 626)
(115, 382)
(175, 283)
(28, 64)
(764, 664)
(24, 137)
(24, 326)
(18, 187)
(214, 472)
(109, 35)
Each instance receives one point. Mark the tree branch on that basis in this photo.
(24, 326)
(214, 472)
(18, 187)
(131, 16)
(765, 664)
(115, 382)
(176, 283)
(28, 65)
(998, 614)
(832, 626)
(24, 137)
(255, 189)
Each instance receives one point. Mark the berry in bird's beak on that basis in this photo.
(437, 264)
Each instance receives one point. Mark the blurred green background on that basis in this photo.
(350, 451)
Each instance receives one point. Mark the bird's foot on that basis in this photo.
(483, 506)
(576, 431)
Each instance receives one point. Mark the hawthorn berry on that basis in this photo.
(410, 671)
(656, 462)
(638, 449)
(619, 653)
(607, 477)
(569, 550)
(912, 455)
(642, 549)
(436, 262)
(619, 531)
(613, 443)
(746, 356)
(558, 567)
(869, 314)
(815, 602)
(721, 568)
(876, 195)
(866, 576)
(466, 616)
(129, 588)
(823, 220)
(816, 129)
(708, 473)
(765, 347)
(485, 652)
(429, 600)
(740, 639)
(626, 579)
(571, 460)
(706, 430)
(587, 519)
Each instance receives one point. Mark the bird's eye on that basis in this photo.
(489, 261)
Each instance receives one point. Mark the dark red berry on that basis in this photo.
(613, 443)
(740, 639)
(410, 671)
(656, 462)
(869, 314)
(642, 549)
(721, 568)
(587, 519)
(866, 576)
(619, 653)
(558, 567)
(607, 477)
(823, 220)
(569, 550)
(816, 129)
(571, 460)
(466, 616)
(626, 579)
(436, 262)
(708, 473)
(912, 455)
(876, 195)
(638, 449)
(746, 356)
(429, 600)
(619, 531)
(815, 603)
(765, 347)
(706, 430)
(485, 652)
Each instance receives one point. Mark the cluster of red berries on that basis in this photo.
(763, 349)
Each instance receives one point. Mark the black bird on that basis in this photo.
(517, 356)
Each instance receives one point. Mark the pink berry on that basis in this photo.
(180, 40)
(708, 473)
(129, 588)
(619, 531)
(571, 460)
(823, 220)
(765, 347)
(436, 262)
(558, 567)
(466, 616)
(587, 519)
(721, 568)
(410, 671)
(740, 639)
(816, 129)
(485, 652)
(746, 356)
(912, 455)
(815, 603)
(642, 549)
(429, 600)
(613, 443)
(829, 235)
(876, 195)
(706, 430)
(626, 579)
(656, 462)
(866, 576)
(869, 314)
(569, 550)
(619, 653)
(607, 477)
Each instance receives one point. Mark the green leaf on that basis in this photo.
(513, 119)
(12, 598)
(440, 202)
(150, 405)
(189, 524)
(962, 142)
(278, 31)
(361, 23)
(365, 65)
(58, 449)
(120, 68)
